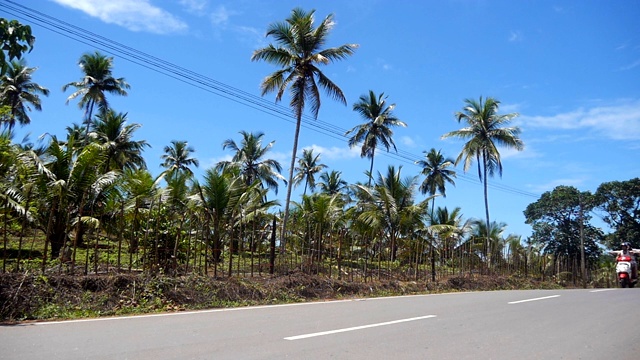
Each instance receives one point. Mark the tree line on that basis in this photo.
(87, 203)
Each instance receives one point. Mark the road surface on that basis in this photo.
(535, 324)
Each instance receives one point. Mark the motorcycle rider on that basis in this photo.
(632, 253)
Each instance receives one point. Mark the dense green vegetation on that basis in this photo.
(86, 204)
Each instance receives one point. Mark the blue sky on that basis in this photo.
(569, 68)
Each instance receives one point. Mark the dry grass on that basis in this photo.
(25, 297)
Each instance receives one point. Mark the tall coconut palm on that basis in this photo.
(299, 52)
(19, 93)
(485, 131)
(177, 157)
(377, 129)
(97, 81)
(249, 159)
(308, 166)
(111, 130)
(435, 168)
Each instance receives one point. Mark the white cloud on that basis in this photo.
(221, 16)
(509, 108)
(212, 162)
(515, 36)
(541, 188)
(619, 121)
(526, 153)
(139, 15)
(284, 158)
(335, 153)
(630, 66)
(194, 6)
(383, 64)
(407, 141)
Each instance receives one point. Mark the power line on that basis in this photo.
(208, 84)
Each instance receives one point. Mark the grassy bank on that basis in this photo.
(26, 296)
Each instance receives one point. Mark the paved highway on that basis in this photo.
(536, 324)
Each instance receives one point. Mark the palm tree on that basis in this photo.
(18, 92)
(138, 188)
(485, 131)
(177, 157)
(219, 193)
(377, 129)
(322, 212)
(307, 167)
(435, 168)
(97, 81)
(111, 130)
(72, 183)
(299, 51)
(389, 204)
(493, 235)
(331, 182)
(449, 229)
(249, 160)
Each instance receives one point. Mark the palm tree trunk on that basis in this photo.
(89, 113)
(6, 239)
(373, 154)
(272, 247)
(75, 239)
(290, 183)
(121, 232)
(24, 224)
(486, 208)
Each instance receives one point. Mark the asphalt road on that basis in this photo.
(536, 324)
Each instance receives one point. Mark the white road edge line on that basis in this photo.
(536, 299)
(322, 333)
(600, 290)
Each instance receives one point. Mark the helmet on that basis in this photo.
(626, 244)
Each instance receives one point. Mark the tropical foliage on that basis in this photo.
(86, 201)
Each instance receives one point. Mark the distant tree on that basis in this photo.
(19, 93)
(16, 40)
(218, 194)
(556, 221)
(485, 131)
(177, 157)
(97, 81)
(308, 167)
(620, 200)
(139, 188)
(249, 159)
(299, 50)
(111, 130)
(435, 169)
(72, 183)
(449, 230)
(332, 182)
(390, 205)
(377, 130)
